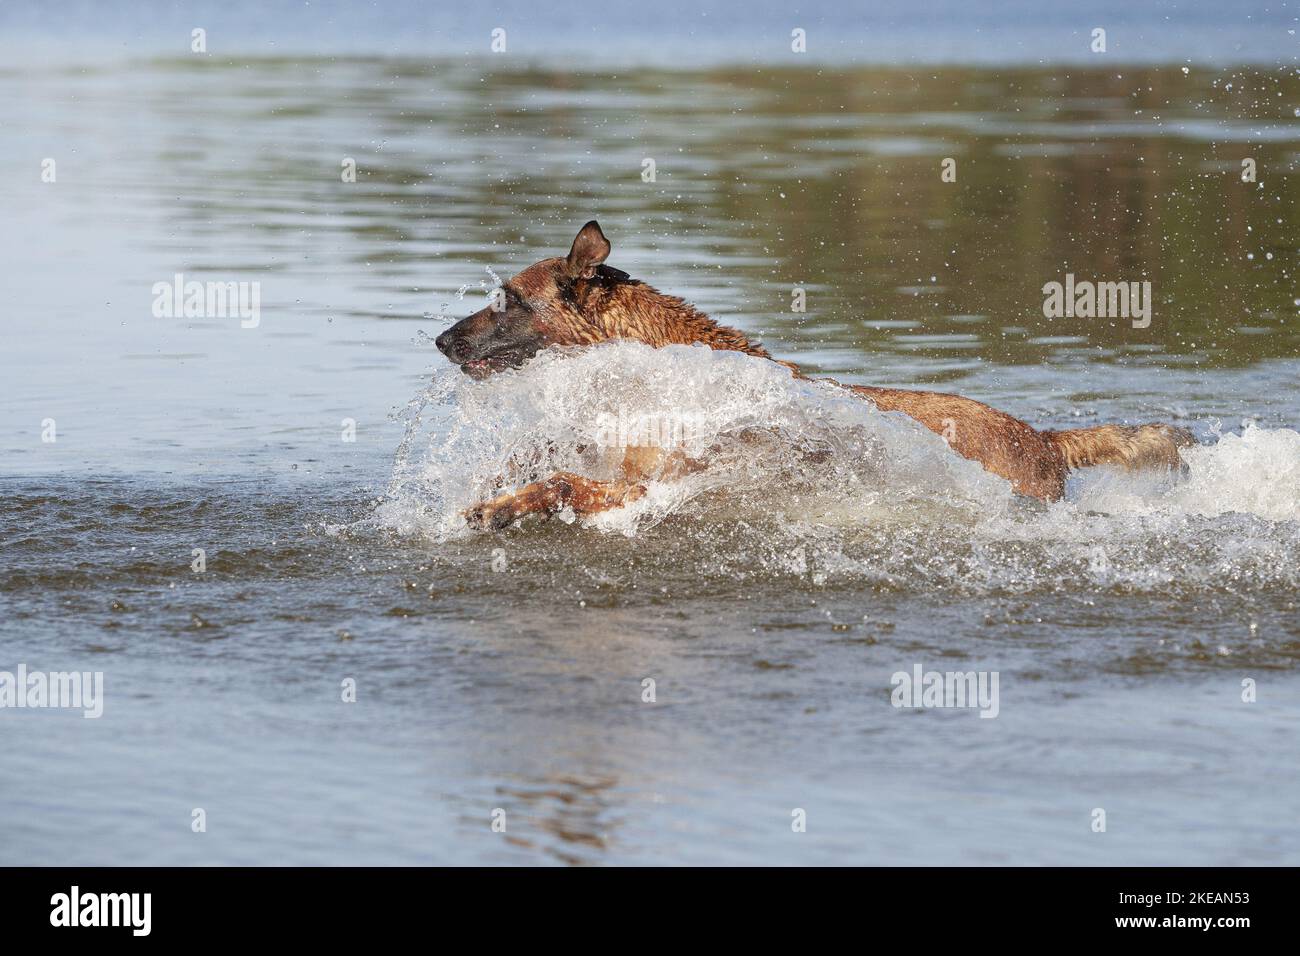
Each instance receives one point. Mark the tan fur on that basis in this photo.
(1129, 446)
(584, 495)
(1004, 445)
(605, 307)
(576, 300)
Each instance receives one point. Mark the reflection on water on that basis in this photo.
(829, 179)
(573, 812)
(765, 181)
(1122, 621)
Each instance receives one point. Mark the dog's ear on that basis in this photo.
(590, 249)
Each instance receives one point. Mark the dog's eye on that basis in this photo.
(515, 301)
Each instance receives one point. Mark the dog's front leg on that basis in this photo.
(584, 495)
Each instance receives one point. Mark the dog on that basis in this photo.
(577, 300)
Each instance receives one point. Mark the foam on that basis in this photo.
(807, 479)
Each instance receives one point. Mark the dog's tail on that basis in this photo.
(1129, 446)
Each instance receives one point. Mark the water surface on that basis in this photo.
(770, 600)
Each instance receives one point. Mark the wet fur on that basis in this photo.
(577, 300)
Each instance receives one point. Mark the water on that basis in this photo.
(770, 599)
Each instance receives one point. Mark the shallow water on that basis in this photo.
(770, 599)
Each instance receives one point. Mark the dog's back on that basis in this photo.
(578, 300)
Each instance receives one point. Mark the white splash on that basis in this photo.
(1255, 473)
(805, 478)
(773, 443)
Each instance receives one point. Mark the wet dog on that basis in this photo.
(578, 300)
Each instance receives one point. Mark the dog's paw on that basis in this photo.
(473, 518)
(489, 516)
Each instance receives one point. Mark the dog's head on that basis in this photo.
(549, 303)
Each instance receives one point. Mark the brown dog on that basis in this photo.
(577, 300)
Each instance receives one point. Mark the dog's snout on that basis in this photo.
(452, 346)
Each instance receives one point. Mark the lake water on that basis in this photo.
(770, 600)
